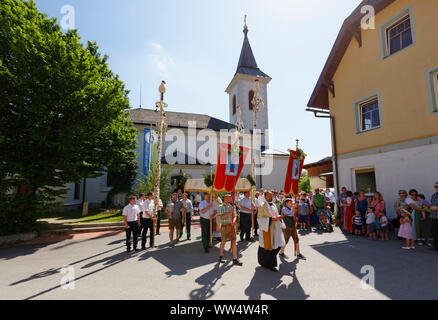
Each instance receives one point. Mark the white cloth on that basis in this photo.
(279, 240)
(259, 201)
(131, 211)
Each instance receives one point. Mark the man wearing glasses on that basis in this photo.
(434, 218)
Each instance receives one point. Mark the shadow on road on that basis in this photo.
(277, 289)
(399, 274)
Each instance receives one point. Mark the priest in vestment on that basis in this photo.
(271, 237)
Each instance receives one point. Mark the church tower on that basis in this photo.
(240, 90)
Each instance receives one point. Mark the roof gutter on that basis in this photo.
(321, 113)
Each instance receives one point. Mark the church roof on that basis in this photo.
(274, 152)
(178, 119)
(247, 63)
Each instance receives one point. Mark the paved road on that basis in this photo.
(103, 270)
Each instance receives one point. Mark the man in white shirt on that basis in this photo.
(247, 210)
(131, 218)
(207, 210)
(141, 202)
(331, 198)
(147, 221)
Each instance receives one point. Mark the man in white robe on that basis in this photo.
(271, 237)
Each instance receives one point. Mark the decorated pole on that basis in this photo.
(256, 102)
(159, 105)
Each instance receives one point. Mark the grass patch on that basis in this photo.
(105, 216)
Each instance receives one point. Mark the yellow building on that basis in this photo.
(380, 88)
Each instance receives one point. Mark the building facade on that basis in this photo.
(380, 87)
(184, 142)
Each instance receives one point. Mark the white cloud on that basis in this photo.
(160, 59)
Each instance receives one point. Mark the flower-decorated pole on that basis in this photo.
(159, 105)
(257, 101)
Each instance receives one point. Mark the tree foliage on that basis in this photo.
(63, 110)
(146, 184)
(304, 184)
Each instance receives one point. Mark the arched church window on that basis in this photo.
(251, 97)
(234, 105)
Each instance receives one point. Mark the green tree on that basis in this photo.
(63, 113)
(304, 184)
(146, 184)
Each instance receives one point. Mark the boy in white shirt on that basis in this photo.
(131, 218)
(371, 223)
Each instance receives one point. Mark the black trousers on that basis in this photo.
(158, 221)
(147, 224)
(140, 228)
(133, 229)
(188, 224)
(245, 226)
(205, 232)
(434, 232)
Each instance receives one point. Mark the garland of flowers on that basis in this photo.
(209, 180)
(251, 180)
(301, 154)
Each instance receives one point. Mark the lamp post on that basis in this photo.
(256, 101)
(160, 105)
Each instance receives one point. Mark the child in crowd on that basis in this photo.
(424, 204)
(357, 223)
(303, 214)
(371, 223)
(406, 231)
(383, 223)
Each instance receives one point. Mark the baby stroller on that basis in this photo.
(324, 224)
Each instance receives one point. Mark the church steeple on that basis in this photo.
(247, 62)
(240, 90)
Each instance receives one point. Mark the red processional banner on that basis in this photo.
(231, 159)
(293, 173)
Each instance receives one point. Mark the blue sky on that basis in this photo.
(195, 45)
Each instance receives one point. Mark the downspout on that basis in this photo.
(326, 115)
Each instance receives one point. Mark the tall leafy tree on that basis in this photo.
(62, 111)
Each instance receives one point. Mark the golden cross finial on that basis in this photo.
(245, 27)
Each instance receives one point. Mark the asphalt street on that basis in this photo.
(102, 269)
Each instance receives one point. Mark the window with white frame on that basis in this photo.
(369, 115)
(399, 35)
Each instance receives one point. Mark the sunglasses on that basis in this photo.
(436, 186)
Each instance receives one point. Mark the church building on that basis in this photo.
(182, 146)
